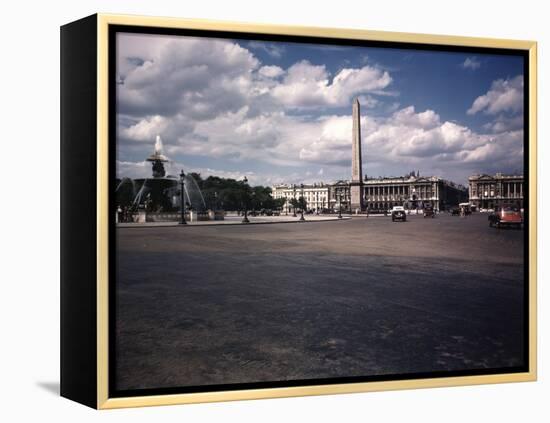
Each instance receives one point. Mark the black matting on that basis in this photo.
(78, 211)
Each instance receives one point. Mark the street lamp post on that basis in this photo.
(302, 201)
(245, 218)
(182, 198)
(294, 197)
(339, 205)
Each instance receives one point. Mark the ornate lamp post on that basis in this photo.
(245, 218)
(302, 206)
(302, 201)
(294, 197)
(182, 198)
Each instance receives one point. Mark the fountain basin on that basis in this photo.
(216, 215)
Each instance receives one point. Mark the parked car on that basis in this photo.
(429, 212)
(466, 208)
(455, 211)
(506, 215)
(398, 213)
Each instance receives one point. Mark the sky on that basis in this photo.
(279, 112)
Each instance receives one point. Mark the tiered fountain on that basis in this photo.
(158, 198)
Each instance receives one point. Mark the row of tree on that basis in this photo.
(230, 194)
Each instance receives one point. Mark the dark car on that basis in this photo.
(398, 213)
(429, 212)
(455, 211)
(506, 215)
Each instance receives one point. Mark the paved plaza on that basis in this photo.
(234, 219)
(207, 305)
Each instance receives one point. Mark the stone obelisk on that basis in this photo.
(356, 185)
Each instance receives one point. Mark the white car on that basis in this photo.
(398, 213)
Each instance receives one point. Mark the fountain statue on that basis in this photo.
(158, 159)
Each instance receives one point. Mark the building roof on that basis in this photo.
(484, 176)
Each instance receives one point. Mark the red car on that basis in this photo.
(506, 216)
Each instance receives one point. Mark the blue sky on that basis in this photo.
(426, 79)
(281, 112)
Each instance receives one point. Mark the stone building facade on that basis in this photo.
(380, 194)
(319, 196)
(490, 191)
(413, 192)
(316, 195)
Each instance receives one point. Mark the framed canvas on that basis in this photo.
(254, 211)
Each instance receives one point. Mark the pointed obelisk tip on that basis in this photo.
(356, 101)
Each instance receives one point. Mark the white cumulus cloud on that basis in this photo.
(471, 63)
(271, 71)
(308, 85)
(505, 95)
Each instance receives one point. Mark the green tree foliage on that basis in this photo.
(230, 194)
(294, 204)
(279, 203)
(302, 204)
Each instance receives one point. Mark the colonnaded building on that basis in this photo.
(490, 191)
(373, 194)
(411, 191)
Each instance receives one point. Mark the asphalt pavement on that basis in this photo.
(228, 304)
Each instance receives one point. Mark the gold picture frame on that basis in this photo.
(102, 398)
